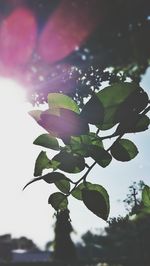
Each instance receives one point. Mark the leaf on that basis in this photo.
(102, 157)
(47, 141)
(63, 185)
(80, 145)
(95, 202)
(133, 104)
(35, 114)
(77, 193)
(53, 177)
(64, 125)
(69, 162)
(93, 111)
(112, 97)
(59, 100)
(142, 123)
(133, 124)
(49, 178)
(124, 150)
(42, 162)
(58, 201)
(101, 109)
(54, 164)
(146, 196)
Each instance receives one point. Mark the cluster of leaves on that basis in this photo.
(121, 42)
(123, 105)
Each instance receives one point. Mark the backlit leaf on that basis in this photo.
(146, 196)
(42, 162)
(101, 156)
(58, 100)
(77, 193)
(64, 125)
(112, 98)
(81, 145)
(124, 150)
(69, 162)
(95, 202)
(133, 124)
(47, 141)
(63, 185)
(58, 201)
(53, 177)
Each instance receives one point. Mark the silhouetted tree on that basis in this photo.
(64, 248)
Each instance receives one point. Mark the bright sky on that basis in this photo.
(27, 213)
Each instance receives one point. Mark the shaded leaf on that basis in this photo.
(35, 114)
(124, 150)
(54, 164)
(133, 104)
(42, 162)
(95, 202)
(63, 185)
(146, 196)
(93, 111)
(101, 156)
(53, 177)
(80, 145)
(112, 97)
(77, 193)
(49, 178)
(47, 141)
(133, 124)
(58, 201)
(64, 125)
(58, 100)
(69, 162)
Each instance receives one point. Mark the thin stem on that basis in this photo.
(97, 132)
(120, 136)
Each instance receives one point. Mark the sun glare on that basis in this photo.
(12, 94)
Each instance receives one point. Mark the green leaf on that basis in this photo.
(35, 114)
(42, 162)
(77, 192)
(124, 150)
(54, 164)
(95, 202)
(58, 100)
(63, 185)
(47, 141)
(63, 125)
(53, 177)
(146, 196)
(133, 124)
(69, 162)
(102, 157)
(102, 107)
(133, 104)
(58, 201)
(93, 111)
(142, 123)
(112, 97)
(80, 145)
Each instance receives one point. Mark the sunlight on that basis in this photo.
(12, 95)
